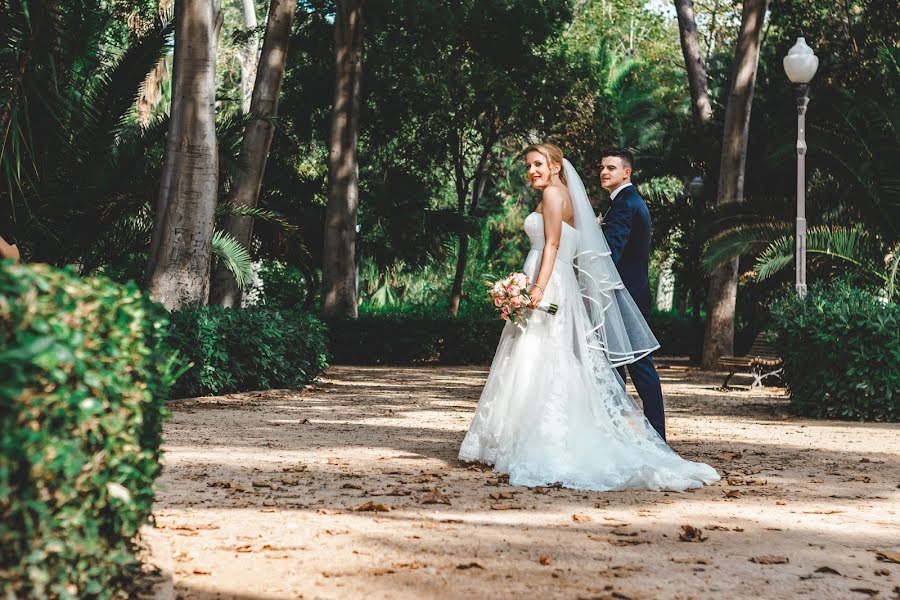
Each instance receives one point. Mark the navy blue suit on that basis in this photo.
(627, 228)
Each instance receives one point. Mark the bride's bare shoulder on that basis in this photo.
(555, 195)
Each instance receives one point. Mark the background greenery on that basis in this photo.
(446, 83)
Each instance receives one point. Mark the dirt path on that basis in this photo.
(263, 493)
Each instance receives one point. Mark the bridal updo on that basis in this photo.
(552, 153)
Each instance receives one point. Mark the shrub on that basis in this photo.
(419, 338)
(842, 353)
(286, 286)
(400, 339)
(84, 375)
(257, 348)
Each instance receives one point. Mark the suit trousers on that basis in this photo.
(646, 381)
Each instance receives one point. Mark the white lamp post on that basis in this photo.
(800, 64)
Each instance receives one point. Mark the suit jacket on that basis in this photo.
(627, 229)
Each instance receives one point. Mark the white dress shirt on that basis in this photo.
(615, 192)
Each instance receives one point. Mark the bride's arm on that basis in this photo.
(552, 206)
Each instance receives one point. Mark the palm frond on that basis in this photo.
(234, 256)
(117, 86)
(851, 245)
(254, 212)
(741, 240)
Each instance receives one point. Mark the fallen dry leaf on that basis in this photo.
(828, 570)
(768, 559)
(505, 507)
(545, 560)
(471, 565)
(732, 493)
(690, 561)
(370, 506)
(501, 495)
(691, 534)
(888, 556)
(581, 518)
(397, 491)
(201, 572)
(866, 591)
(434, 497)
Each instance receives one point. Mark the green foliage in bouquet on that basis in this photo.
(841, 350)
(237, 350)
(84, 373)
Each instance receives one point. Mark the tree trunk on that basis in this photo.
(257, 140)
(178, 269)
(462, 259)
(248, 55)
(462, 187)
(339, 252)
(719, 338)
(693, 62)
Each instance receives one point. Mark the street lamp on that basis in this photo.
(800, 64)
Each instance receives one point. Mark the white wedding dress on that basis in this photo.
(553, 410)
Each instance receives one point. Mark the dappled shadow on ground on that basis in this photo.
(279, 482)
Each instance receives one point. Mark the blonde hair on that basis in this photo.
(552, 153)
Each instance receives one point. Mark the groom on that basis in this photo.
(627, 230)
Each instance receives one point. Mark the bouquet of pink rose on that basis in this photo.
(510, 295)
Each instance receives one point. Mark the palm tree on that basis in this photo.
(71, 163)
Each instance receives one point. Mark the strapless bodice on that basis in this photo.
(534, 227)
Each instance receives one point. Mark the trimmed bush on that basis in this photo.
(399, 339)
(238, 350)
(83, 377)
(841, 349)
(408, 339)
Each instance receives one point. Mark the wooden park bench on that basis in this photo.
(761, 362)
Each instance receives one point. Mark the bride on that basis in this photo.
(553, 409)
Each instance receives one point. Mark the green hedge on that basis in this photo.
(841, 349)
(83, 376)
(398, 339)
(236, 350)
(406, 339)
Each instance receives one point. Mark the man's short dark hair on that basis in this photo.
(626, 156)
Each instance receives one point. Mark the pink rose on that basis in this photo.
(518, 302)
(498, 302)
(513, 291)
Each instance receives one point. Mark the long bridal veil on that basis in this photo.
(617, 327)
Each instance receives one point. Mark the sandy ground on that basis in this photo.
(352, 489)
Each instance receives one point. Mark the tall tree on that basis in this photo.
(499, 81)
(181, 248)
(693, 62)
(257, 140)
(719, 336)
(339, 252)
(248, 56)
